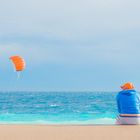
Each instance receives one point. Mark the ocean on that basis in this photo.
(58, 108)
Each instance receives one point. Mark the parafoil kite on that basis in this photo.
(19, 63)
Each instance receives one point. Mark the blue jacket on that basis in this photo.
(128, 102)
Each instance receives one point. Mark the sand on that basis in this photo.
(44, 132)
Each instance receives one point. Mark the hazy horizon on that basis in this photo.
(70, 45)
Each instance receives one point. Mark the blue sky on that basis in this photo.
(70, 45)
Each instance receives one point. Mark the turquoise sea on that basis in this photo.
(58, 107)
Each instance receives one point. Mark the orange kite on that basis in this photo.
(18, 62)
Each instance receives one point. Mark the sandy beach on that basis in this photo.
(44, 132)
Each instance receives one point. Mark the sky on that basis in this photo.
(70, 45)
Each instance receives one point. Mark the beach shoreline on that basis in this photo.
(69, 132)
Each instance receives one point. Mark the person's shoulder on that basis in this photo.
(119, 94)
(125, 92)
(132, 91)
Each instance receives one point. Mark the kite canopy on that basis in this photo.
(18, 62)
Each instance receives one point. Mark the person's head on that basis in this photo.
(127, 86)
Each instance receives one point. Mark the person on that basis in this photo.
(128, 102)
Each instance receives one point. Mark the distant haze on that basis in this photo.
(70, 45)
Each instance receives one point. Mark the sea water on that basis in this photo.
(58, 107)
